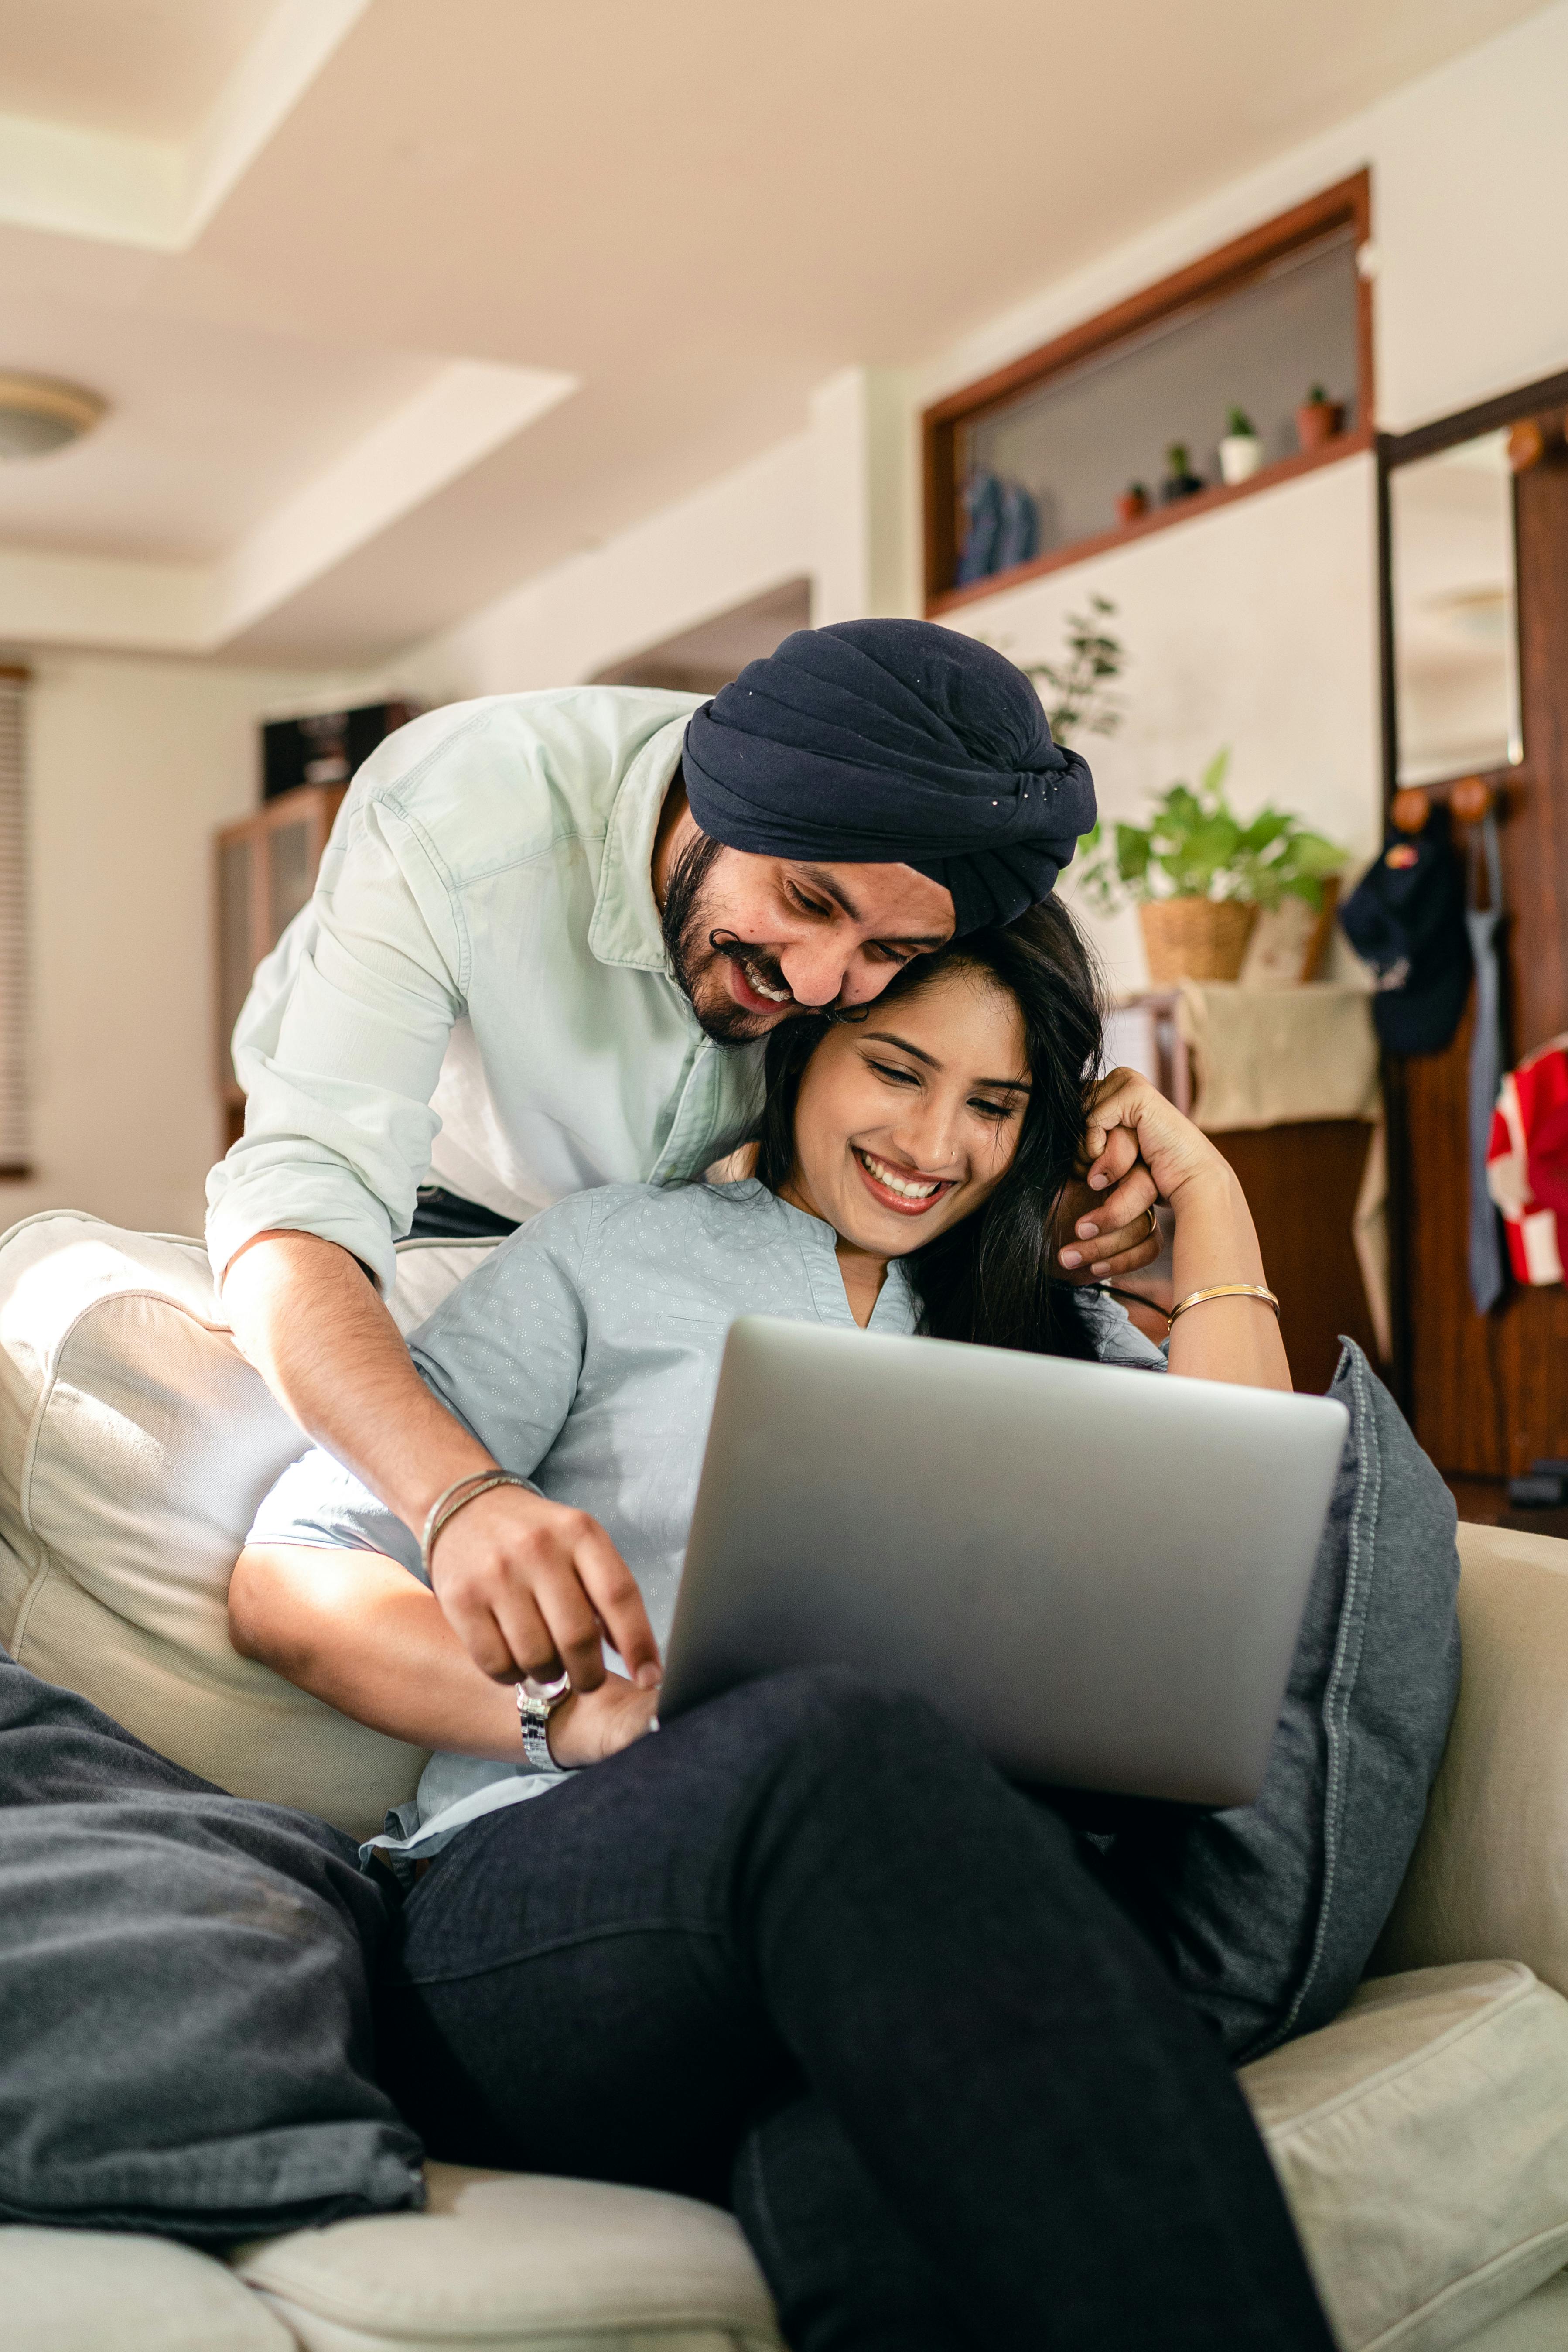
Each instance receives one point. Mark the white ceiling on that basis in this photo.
(279, 233)
(144, 69)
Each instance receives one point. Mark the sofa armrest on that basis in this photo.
(1489, 1879)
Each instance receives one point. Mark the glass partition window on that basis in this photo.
(1455, 635)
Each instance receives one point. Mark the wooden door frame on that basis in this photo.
(1393, 450)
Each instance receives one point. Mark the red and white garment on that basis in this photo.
(1527, 1164)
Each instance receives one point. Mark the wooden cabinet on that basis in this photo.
(266, 871)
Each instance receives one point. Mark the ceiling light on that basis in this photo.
(38, 415)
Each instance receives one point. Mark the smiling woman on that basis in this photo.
(940, 1124)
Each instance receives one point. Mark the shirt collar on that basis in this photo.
(895, 1301)
(626, 929)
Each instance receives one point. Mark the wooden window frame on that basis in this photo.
(1226, 272)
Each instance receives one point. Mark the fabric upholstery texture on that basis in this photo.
(1489, 1874)
(183, 1978)
(1539, 2324)
(135, 1444)
(502, 2260)
(1423, 2143)
(89, 2293)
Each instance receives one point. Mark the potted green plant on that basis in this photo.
(1132, 502)
(1079, 690)
(1241, 451)
(1318, 419)
(1198, 875)
(1180, 481)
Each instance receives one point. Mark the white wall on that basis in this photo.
(745, 533)
(132, 764)
(1257, 627)
(1253, 626)
(1470, 192)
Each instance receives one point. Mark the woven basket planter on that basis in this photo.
(1195, 939)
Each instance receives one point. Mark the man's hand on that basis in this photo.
(592, 1725)
(1101, 1226)
(531, 1588)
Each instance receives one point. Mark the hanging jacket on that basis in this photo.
(1527, 1162)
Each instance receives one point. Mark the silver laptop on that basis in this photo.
(1099, 1573)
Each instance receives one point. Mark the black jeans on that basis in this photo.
(806, 1954)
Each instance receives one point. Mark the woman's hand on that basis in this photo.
(592, 1725)
(1101, 1224)
(1215, 1242)
(1131, 1119)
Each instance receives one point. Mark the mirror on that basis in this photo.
(1455, 636)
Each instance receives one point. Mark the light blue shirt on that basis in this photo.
(477, 993)
(584, 1353)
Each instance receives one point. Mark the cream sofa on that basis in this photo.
(1422, 2138)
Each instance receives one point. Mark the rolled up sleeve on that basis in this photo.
(341, 1049)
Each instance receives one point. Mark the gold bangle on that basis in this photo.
(1222, 1290)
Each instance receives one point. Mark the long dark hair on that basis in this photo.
(988, 1278)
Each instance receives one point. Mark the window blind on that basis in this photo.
(13, 1009)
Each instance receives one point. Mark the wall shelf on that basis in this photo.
(1201, 503)
(1254, 323)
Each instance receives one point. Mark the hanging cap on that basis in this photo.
(1406, 919)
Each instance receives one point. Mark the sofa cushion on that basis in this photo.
(1266, 1912)
(1539, 2324)
(87, 2293)
(1490, 1873)
(1422, 2140)
(135, 1444)
(187, 2045)
(506, 2260)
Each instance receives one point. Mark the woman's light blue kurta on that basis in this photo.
(584, 1353)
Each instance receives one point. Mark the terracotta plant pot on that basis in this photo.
(1130, 505)
(1194, 939)
(1317, 422)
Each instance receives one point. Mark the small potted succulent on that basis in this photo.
(1241, 451)
(1318, 419)
(1132, 502)
(1198, 875)
(1180, 481)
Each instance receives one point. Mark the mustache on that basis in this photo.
(742, 951)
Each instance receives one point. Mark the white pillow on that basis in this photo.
(135, 1444)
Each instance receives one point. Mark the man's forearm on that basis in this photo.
(310, 1321)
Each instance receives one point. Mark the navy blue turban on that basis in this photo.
(893, 743)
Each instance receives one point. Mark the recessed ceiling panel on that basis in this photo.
(208, 430)
(141, 69)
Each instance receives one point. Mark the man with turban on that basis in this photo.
(549, 932)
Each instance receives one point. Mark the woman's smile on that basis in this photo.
(905, 1190)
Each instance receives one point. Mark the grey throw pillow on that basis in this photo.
(1267, 1913)
(186, 2045)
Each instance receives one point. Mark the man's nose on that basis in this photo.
(816, 970)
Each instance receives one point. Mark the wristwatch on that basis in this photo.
(536, 1703)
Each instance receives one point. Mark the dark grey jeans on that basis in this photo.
(806, 1954)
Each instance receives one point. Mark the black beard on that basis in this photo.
(690, 945)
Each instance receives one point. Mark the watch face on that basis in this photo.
(544, 1693)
